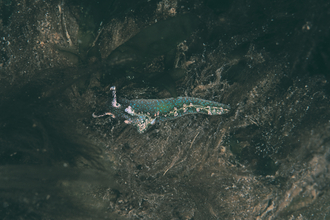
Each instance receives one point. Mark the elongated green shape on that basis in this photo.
(143, 112)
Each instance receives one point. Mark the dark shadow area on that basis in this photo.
(43, 160)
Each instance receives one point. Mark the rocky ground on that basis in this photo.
(268, 158)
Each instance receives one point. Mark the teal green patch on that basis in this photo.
(144, 112)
